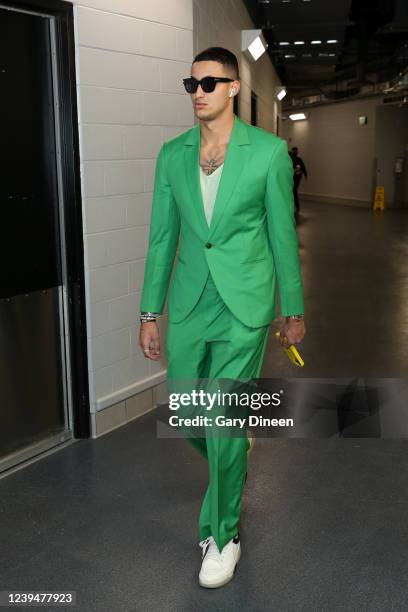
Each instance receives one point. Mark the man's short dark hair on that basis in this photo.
(221, 55)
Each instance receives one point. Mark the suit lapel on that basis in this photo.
(192, 173)
(234, 163)
(236, 156)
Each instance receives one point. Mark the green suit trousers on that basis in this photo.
(212, 343)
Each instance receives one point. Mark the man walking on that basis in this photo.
(299, 169)
(224, 187)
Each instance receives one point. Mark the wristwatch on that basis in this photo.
(298, 317)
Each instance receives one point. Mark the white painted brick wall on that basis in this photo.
(130, 58)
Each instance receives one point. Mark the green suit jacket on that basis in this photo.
(251, 244)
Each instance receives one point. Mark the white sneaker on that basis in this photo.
(218, 568)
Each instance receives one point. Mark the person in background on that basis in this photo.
(299, 169)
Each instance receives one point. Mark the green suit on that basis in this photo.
(251, 241)
(223, 292)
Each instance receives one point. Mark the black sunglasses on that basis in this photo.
(208, 83)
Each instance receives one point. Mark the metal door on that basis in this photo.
(35, 375)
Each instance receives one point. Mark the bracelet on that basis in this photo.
(298, 317)
(148, 316)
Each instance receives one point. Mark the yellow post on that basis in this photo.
(379, 198)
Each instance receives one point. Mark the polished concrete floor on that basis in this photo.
(355, 274)
(324, 524)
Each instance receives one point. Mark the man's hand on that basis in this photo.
(149, 340)
(292, 332)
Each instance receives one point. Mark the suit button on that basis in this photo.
(208, 245)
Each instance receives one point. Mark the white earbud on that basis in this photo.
(232, 91)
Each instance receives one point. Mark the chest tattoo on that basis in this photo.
(210, 165)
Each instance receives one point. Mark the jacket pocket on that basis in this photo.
(256, 250)
(249, 261)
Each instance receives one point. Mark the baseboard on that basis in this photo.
(126, 392)
(338, 200)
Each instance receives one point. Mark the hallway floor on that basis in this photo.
(324, 523)
(355, 276)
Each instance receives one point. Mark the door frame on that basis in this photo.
(63, 14)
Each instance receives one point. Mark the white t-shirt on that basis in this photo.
(209, 187)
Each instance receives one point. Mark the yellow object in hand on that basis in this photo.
(292, 353)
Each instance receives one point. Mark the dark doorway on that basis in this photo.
(43, 361)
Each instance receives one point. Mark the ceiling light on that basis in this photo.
(331, 41)
(280, 93)
(284, 43)
(289, 55)
(299, 42)
(332, 54)
(253, 43)
(256, 48)
(316, 42)
(297, 116)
